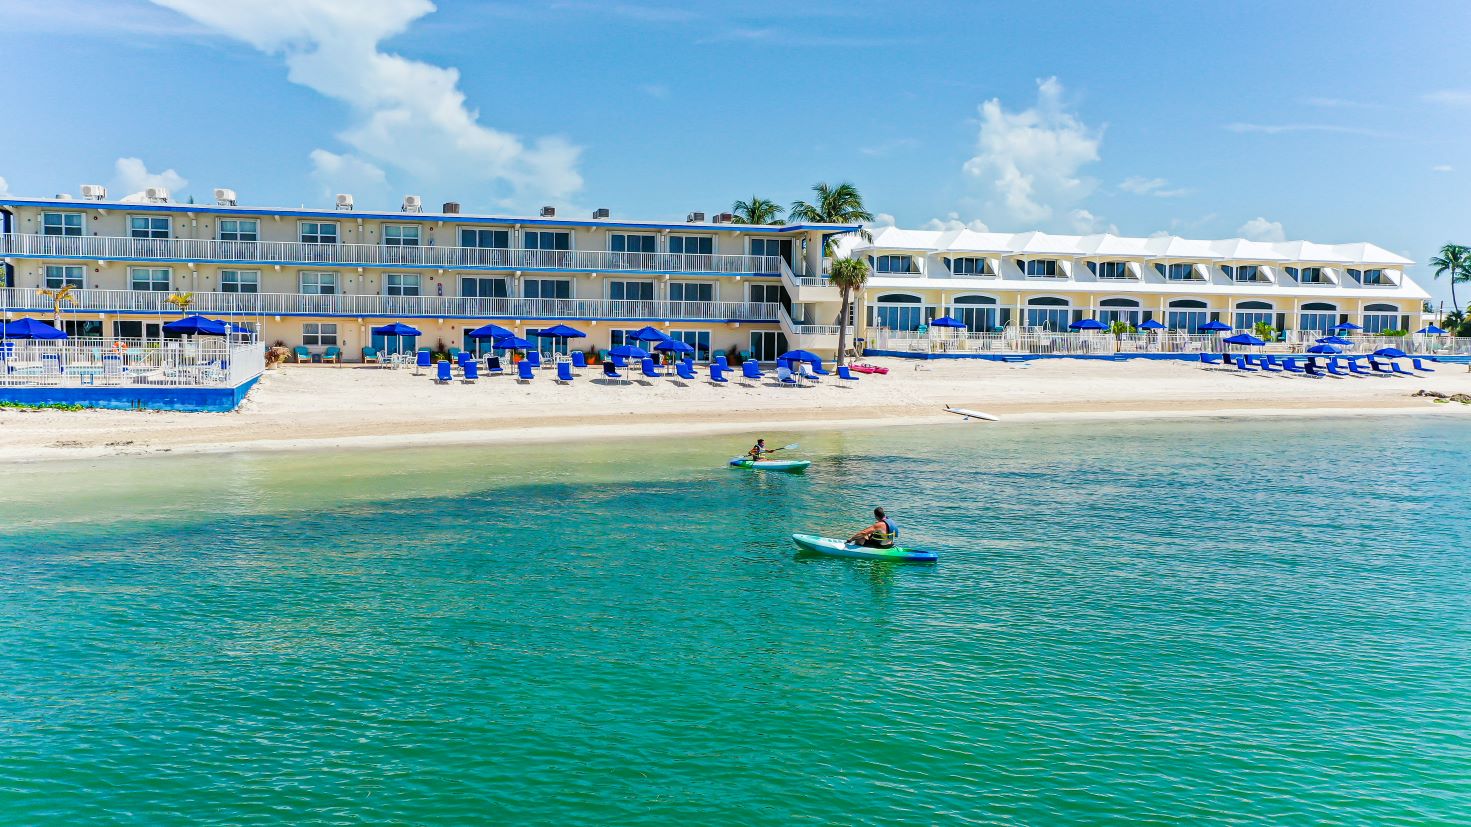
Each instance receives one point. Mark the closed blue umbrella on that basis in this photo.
(1391, 353)
(560, 331)
(1088, 324)
(1215, 327)
(28, 328)
(946, 321)
(1151, 324)
(1347, 326)
(1325, 349)
(1334, 340)
(490, 331)
(648, 334)
(1243, 339)
(1432, 330)
(195, 326)
(397, 329)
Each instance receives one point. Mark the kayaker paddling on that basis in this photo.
(758, 450)
(881, 534)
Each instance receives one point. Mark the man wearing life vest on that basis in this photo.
(882, 534)
(758, 451)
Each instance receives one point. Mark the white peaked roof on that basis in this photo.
(1106, 245)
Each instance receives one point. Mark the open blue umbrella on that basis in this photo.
(1391, 353)
(1432, 330)
(195, 326)
(511, 343)
(1151, 324)
(1325, 349)
(490, 331)
(1088, 324)
(800, 356)
(946, 321)
(629, 352)
(1347, 326)
(240, 329)
(1215, 327)
(1243, 339)
(560, 331)
(1334, 340)
(396, 329)
(29, 328)
(675, 345)
(648, 334)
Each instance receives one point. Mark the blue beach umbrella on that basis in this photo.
(629, 352)
(1334, 340)
(1088, 324)
(675, 346)
(1151, 324)
(1243, 339)
(561, 331)
(648, 334)
(1391, 353)
(28, 328)
(800, 356)
(1325, 349)
(490, 331)
(1347, 326)
(395, 329)
(195, 326)
(1215, 327)
(511, 343)
(946, 321)
(1432, 330)
(231, 327)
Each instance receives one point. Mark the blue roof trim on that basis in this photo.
(447, 218)
(225, 314)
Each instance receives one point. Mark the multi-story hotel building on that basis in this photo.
(325, 277)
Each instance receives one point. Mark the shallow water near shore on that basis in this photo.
(1165, 622)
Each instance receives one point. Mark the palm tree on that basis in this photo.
(834, 205)
(1264, 331)
(849, 275)
(757, 211)
(60, 296)
(181, 301)
(1454, 260)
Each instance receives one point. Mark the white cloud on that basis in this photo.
(1260, 229)
(408, 115)
(4, 187)
(881, 219)
(1030, 160)
(350, 174)
(1158, 187)
(1285, 128)
(1436, 168)
(655, 90)
(131, 176)
(1448, 97)
(1340, 103)
(952, 221)
(1085, 223)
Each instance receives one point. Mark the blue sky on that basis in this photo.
(1299, 120)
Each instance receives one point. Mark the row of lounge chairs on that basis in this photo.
(1309, 366)
(469, 370)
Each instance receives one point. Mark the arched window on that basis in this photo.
(1049, 313)
(1380, 317)
(1120, 310)
(1250, 314)
(1380, 308)
(897, 311)
(973, 300)
(1193, 303)
(1119, 303)
(1048, 301)
(978, 313)
(1318, 317)
(1254, 306)
(1319, 306)
(1187, 315)
(898, 298)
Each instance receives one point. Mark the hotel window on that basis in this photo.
(1380, 317)
(152, 279)
(1049, 313)
(894, 264)
(970, 266)
(1120, 310)
(1180, 271)
(691, 291)
(479, 288)
(235, 229)
(628, 243)
(319, 232)
(977, 313)
(400, 235)
(642, 291)
(1318, 317)
(1370, 277)
(697, 339)
(546, 240)
(897, 311)
(485, 239)
(692, 245)
(547, 289)
(765, 293)
(64, 275)
(61, 223)
(1110, 269)
(1040, 268)
(145, 226)
(1249, 314)
(1308, 275)
(1244, 272)
(399, 284)
(318, 284)
(239, 281)
(772, 247)
(315, 334)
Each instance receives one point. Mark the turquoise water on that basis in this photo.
(1167, 623)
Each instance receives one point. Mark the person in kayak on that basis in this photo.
(758, 450)
(881, 534)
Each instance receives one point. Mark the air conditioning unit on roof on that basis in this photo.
(601, 212)
(224, 197)
(413, 203)
(156, 194)
(548, 212)
(695, 218)
(94, 192)
(344, 201)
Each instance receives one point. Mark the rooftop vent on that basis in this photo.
(94, 192)
(344, 201)
(724, 218)
(224, 197)
(412, 203)
(600, 212)
(63, 196)
(451, 208)
(548, 212)
(157, 195)
(695, 218)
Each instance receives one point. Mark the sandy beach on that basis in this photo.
(362, 408)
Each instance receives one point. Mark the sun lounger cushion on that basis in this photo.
(750, 370)
(523, 372)
(610, 370)
(717, 374)
(579, 359)
(471, 371)
(442, 372)
(564, 371)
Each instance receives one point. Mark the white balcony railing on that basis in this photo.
(112, 248)
(268, 304)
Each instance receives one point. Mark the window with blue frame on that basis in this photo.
(642, 291)
(148, 226)
(894, 264)
(632, 242)
(239, 229)
(485, 239)
(64, 275)
(692, 245)
(61, 223)
(547, 289)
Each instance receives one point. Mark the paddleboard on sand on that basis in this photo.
(839, 548)
(970, 414)
(771, 464)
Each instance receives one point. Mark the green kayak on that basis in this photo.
(839, 548)
(771, 464)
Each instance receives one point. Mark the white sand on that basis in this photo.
(298, 407)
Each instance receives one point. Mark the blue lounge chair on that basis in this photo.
(817, 369)
(717, 375)
(784, 375)
(1242, 365)
(443, 375)
(685, 370)
(721, 361)
(1334, 370)
(564, 372)
(1291, 366)
(469, 371)
(1395, 366)
(1270, 365)
(579, 359)
(647, 367)
(421, 360)
(610, 370)
(370, 354)
(751, 370)
(493, 365)
(1209, 359)
(845, 373)
(1421, 366)
(1375, 366)
(523, 371)
(464, 356)
(618, 362)
(533, 358)
(1311, 368)
(1355, 368)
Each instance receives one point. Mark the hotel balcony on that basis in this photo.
(189, 250)
(29, 300)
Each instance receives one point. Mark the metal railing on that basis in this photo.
(79, 362)
(113, 248)
(1020, 341)
(295, 304)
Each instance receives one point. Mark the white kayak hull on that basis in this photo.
(838, 548)
(771, 464)
(972, 414)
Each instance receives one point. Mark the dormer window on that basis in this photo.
(1308, 275)
(970, 266)
(1370, 278)
(1179, 271)
(1110, 269)
(1243, 272)
(894, 264)
(1039, 268)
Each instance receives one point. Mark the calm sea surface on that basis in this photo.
(1166, 623)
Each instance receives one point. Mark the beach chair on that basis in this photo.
(523, 372)
(579, 359)
(751, 370)
(1397, 368)
(1421, 366)
(493, 365)
(1291, 366)
(469, 372)
(610, 370)
(717, 375)
(806, 371)
(1243, 366)
(722, 361)
(302, 354)
(1270, 365)
(1335, 370)
(618, 362)
(1375, 366)
(817, 369)
(564, 373)
(533, 358)
(1355, 368)
(784, 375)
(443, 373)
(371, 356)
(1208, 359)
(112, 369)
(845, 373)
(685, 370)
(421, 361)
(332, 354)
(1311, 368)
(646, 367)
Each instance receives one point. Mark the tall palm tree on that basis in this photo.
(181, 301)
(849, 275)
(757, 211)
(60, 296)
(834, 205)
(1454, 260)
